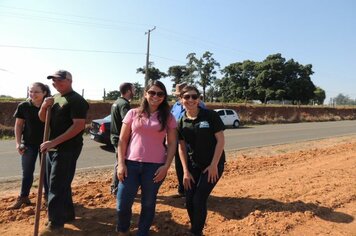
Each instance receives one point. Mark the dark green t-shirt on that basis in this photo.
(118, 111)
(199, 135)
(34, 127)
(66, 108)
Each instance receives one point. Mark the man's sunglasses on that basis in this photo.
(188, 96)
(159, 94)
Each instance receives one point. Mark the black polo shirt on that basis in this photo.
(66, 108)
(199, 135)
(33, 126)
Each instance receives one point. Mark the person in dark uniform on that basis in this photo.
(178, 111)
(201, 150)
(118, 111)
(68, 113)
(28, 136)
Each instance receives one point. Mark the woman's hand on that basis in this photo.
(20, 149)
(160, 174)
(188, 180)
(121, 172)
(213, 174)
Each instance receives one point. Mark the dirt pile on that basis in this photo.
(301, 189)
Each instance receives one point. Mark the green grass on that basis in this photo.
(10, 99)
(6, 137)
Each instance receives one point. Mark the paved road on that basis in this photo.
(95, 155)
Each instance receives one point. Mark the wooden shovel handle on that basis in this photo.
(42, 172)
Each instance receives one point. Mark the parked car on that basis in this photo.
(100, 130)
(229, 117)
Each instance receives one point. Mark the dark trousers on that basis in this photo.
(60, 173)
(197, 197)
(179, 172)
(115, 180)
(28, 161)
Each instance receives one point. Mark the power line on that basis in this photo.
(86, 50)
(167, 59)
(184, 39)
(72, 15)
(71, 50)
(115, 25)
(68, 21)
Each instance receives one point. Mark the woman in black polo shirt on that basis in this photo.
(201, 150)
(29, 135)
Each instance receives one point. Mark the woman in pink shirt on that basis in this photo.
(144, 157)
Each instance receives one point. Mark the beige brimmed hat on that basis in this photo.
(179, 88)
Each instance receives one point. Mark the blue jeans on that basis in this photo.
(197, 197)
(60, 173)
(28, 161)
(138, 175)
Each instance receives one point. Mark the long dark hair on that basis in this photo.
(163, 108)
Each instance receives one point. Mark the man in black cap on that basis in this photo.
(68, 113)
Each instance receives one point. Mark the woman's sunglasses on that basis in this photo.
(188, 96)
(159, 94)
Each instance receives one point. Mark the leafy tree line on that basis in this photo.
(274, 78)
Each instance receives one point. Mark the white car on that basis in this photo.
(229, 117)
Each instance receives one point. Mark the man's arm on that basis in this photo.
(77, 126)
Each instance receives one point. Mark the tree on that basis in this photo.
(5, 96)
(235, 84)
(269, 77)
(112, 95)
(300, 88)
(319, 95)
(342, 99)
(272, 79)
(180, 74)
(153, 72)
(138, 91)
(212, 94)
(203, 68)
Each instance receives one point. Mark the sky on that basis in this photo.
(102, 43)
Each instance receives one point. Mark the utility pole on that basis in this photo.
(148, 54)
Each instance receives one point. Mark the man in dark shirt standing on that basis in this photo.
(65, 143)
(118, 111)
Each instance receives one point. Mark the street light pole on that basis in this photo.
(148, 54)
